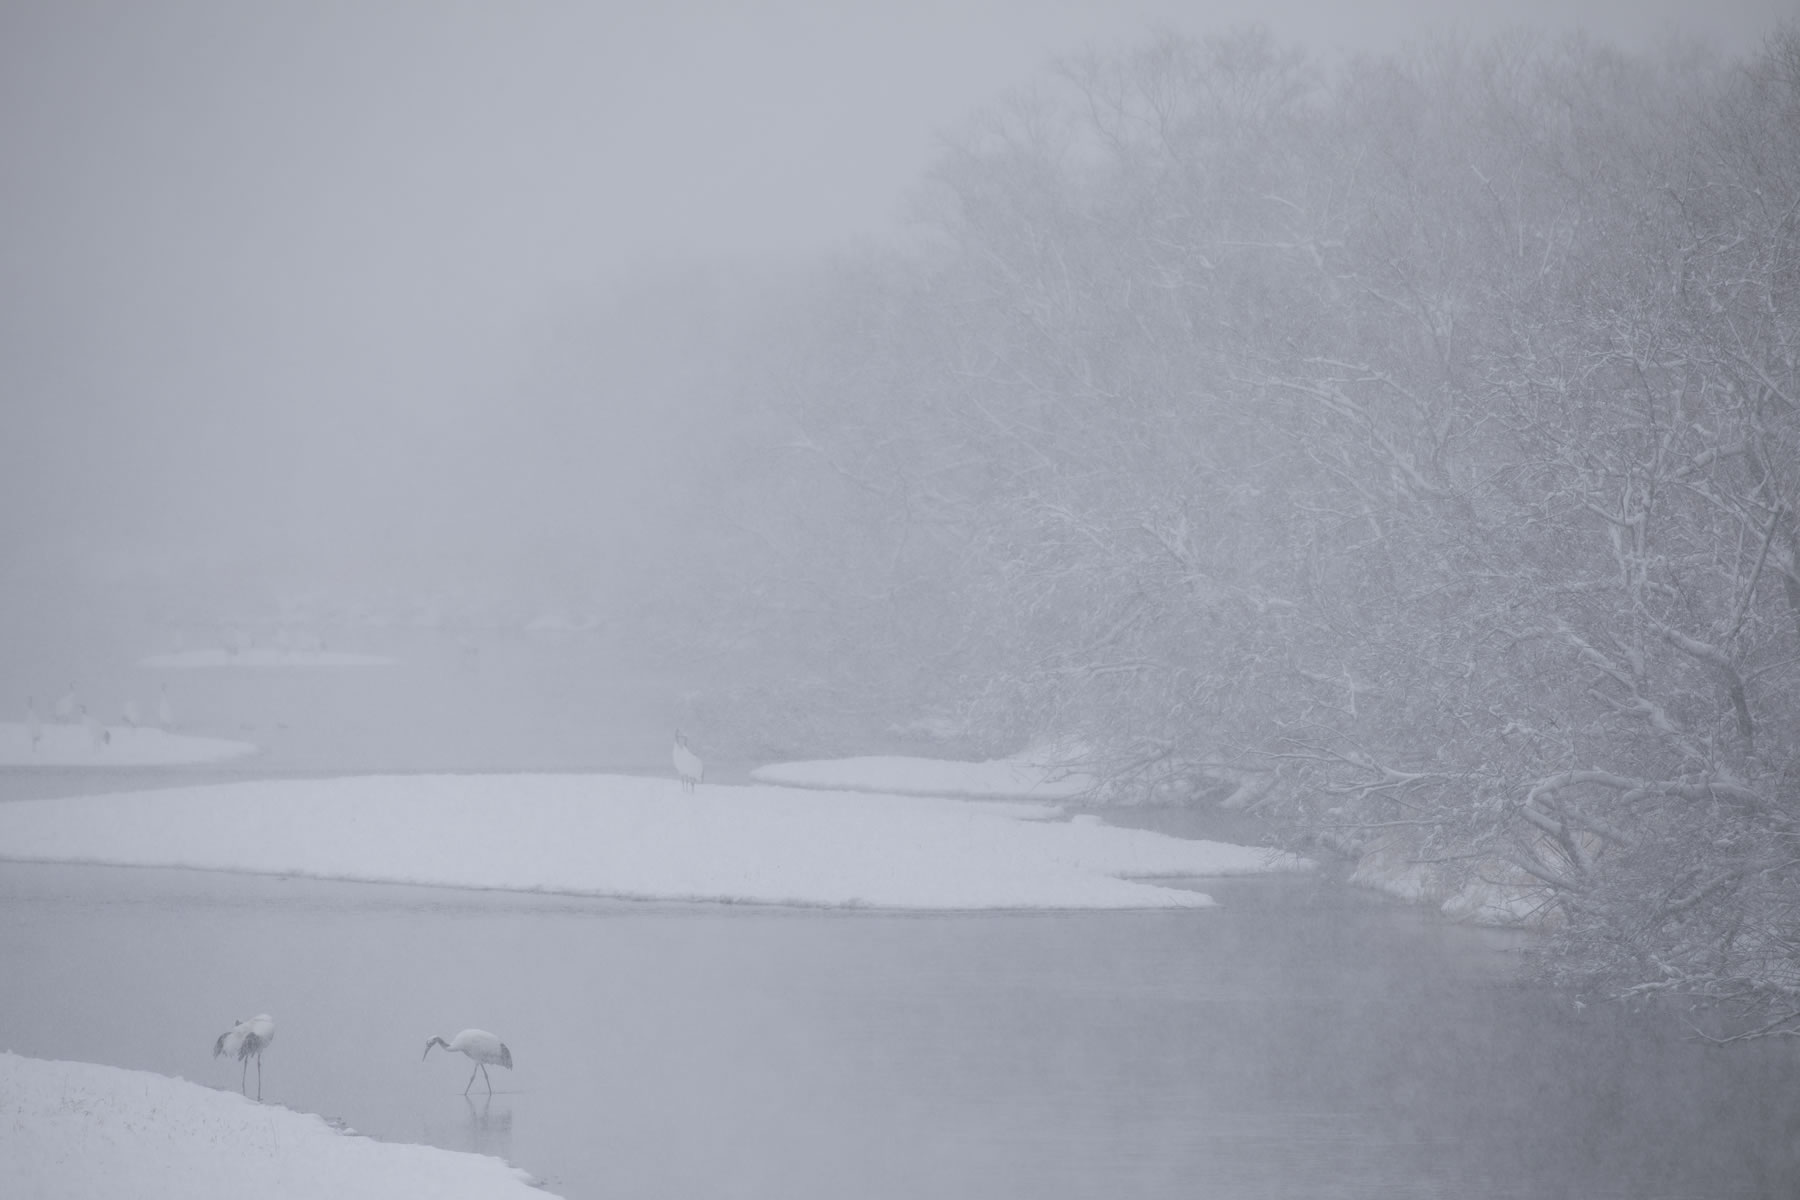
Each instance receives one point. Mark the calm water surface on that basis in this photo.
(1299, 1041)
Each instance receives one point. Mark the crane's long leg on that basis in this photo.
(259, 1077)
(244, 1079)
(484, 1076)
(471, 1082)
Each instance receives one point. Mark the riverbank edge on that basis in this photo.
(72, 1120)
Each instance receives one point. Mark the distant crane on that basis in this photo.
(33, 724)
(165, 710)
(65, 708)
(99, 733)
(246, 1040)
(687, 764)
(481, 1046)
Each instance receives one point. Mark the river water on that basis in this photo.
(1299, 1041)
(1302, 1040)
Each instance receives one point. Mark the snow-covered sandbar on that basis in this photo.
(637, 838)
(262, 656)
(72, 1129)
(899, 775)
(62, 745)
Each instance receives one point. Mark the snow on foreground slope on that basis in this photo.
(79, 1130)
(140, 746)
(632, 837)
(929, 777)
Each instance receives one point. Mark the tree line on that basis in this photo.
(1406, 448)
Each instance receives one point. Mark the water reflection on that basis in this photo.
(479, 1124)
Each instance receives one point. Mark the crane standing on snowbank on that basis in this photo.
(481, 1046)
(687, 764)
(246, 1040)
(99, 734)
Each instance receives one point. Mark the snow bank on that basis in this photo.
(633, 837)
(930, 777)
(264, 656)
(1500, 894)
(131, 746)
(80, 1130)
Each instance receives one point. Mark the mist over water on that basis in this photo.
(785, 374)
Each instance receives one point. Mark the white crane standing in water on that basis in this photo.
(246, 1040)
(481, 1046)
(687, 764)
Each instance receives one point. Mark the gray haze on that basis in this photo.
(305, 283)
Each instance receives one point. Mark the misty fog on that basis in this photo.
(1224, 580)
(325, 289)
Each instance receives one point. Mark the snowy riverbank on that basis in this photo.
(638, 838)
(1018, 777)
(71, 1129)
(263, 656)
(63, 745)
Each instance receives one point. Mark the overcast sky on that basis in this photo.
(276, 270)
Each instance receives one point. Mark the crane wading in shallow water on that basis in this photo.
(687, 764)
(481, 1046)
(246, 1040)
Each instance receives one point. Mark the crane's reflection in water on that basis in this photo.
(480, 1124)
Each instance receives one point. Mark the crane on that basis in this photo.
(687, 764)
(482, 1048)
(99, 733)
(246, 1040)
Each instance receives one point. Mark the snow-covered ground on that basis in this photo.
(264, 656)
(61, 745)
(79, 1130)
(635, 837)
(1498, 894)
(74, 1129)
(1012, 777)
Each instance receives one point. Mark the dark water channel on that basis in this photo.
(1299, 1041)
